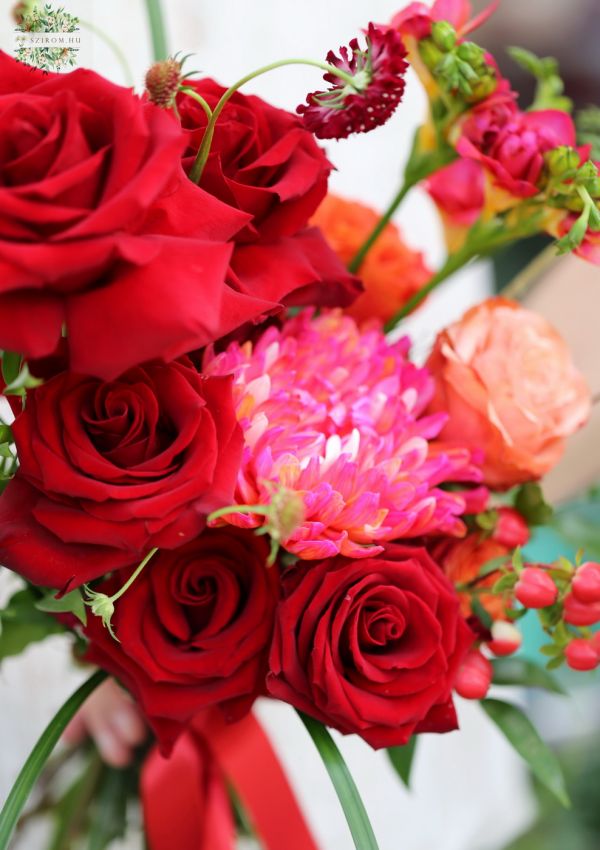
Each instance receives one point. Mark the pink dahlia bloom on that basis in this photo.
(335, 413)
(378, 71)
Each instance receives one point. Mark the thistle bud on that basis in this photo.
(163, 80)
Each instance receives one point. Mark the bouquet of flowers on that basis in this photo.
(223, 474)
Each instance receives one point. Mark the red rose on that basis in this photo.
(109, 470)
(194, 629)
(371, 647)
(266, 164)
(100, 230)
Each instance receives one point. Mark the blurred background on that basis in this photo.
(470, 792)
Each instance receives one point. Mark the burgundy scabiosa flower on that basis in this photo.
(377, 87)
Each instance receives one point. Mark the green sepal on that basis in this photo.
(402, 759)
(70, 603)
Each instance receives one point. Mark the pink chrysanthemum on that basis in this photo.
(378, 85)
(335, 413)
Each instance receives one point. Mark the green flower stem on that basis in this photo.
(354, 810)
(204, 150)
(531, 274)
(452, 264)
(110, 42)
(39, 755)
(157, 30)
(383, 222)
(133, 575)
(198, 98)
(264, 510)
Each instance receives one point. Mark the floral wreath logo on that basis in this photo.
(45, 36)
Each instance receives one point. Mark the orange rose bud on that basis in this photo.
(391, 272)
(506, 638)
(474, 677)
(507, 379)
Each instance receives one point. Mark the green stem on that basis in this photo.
(198, 98)
(204, 150)
(133, 576)
(119, 54)
(354, 810)
(157, 30)
(236, 509)
(383, 222)
(531, 274)
(452, 264)
(39, 755)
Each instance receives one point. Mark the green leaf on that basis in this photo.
(354, 810)
(23, 382)
(39, 756)
(493, 565)
(71, 603)
(402, 759)
(109, 811)
(523, 736)
(507, 582)
(22, 624)
(550, 88)
(482, 615)
(530, 502)
(11, 366)
(518, 671)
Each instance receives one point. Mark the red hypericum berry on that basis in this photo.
(511, 529)
(378, 85)
(163, 80)
(595, 641)
(580, 613)
(535, 588)
(586, 583)
(506, 638)
(581, 655)
(474, 677)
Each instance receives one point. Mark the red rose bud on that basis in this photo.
(163, 81)
(474, 677)
(586, 583)
(581, 613)
(582, 655)
(535, 588)
(506, 638)
(511, 529)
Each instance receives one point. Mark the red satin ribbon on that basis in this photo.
(185, 800)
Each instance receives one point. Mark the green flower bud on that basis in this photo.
(483, 88)
(430, 54)
(562, 160)
(472, 53)
(443, 35)
(587, 173)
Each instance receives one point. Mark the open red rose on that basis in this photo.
(100, 230)
(266, 164)
(194, 629)
(109, 470)
(371, 647)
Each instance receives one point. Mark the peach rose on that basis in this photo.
(507, 380)
(391, 273)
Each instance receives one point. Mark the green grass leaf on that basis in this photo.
(354, 810)
(525, 674)
(523, 736)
